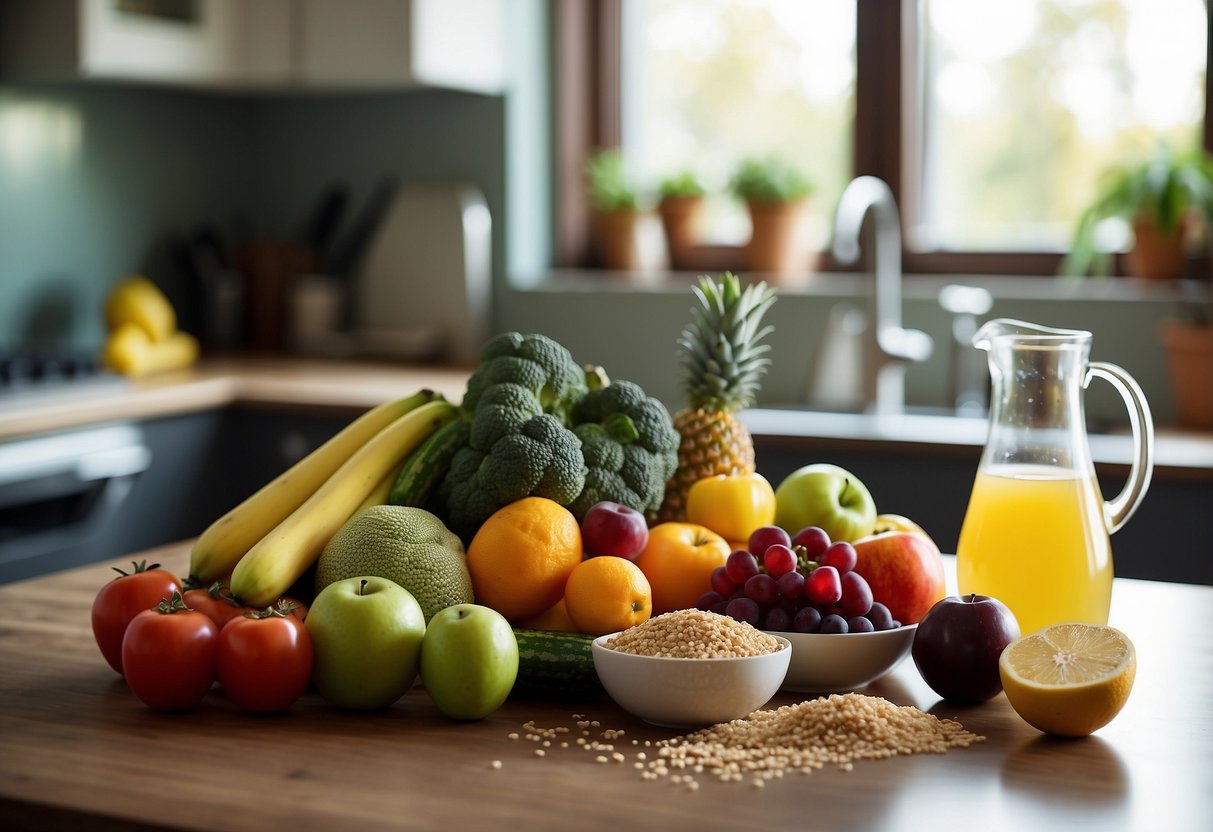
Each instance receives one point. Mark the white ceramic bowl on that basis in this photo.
(690, 693)
(842, 662)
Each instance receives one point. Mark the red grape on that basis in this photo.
(762, 589)
(823, 586)
(859, 624)
(720, 608)
(741, 566)
(779, 560)
(806, 620)
(856, 595)
(841, 556)
(791, 585)
(708, 600)
(722, 583)
(764, 537)
(813, 539)
(834, 624)
(777, 619)
(743, 609)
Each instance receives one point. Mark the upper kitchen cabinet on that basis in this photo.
(268, 44)
(369, 43)
(198, 42)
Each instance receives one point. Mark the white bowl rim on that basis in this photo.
(784, 645)
(903, 629)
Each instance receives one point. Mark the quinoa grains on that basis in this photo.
(838, 729)
(769, 744)
(693, 634)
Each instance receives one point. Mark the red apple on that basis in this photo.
(904, 570)
(613, 529)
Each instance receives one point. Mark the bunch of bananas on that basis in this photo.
(143, 331)
(268, 541)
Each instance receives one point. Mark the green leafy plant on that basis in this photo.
(769, 180)
(682, 184)
(1165, 188)
(610, 189)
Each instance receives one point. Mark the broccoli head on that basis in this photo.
(629, 445)
(542, 458)
(535, 362)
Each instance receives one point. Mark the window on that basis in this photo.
(709, 84)
(991, 121)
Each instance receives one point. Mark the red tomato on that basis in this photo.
(264, 661)
(122, 599)
(297, 608)
(169, 655)
(216, 602)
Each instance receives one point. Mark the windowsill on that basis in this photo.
(913, 287)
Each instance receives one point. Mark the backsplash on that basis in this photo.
(96, 179)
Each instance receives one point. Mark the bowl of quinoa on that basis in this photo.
(690, 668)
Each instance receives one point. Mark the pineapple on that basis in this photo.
(724, 363)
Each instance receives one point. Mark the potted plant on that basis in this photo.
(776, 195)
(1188, 341)
(681, 210)
(1162, 198)
(616, 211)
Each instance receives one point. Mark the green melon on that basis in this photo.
(403, 544)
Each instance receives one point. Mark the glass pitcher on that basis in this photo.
(1036, 532)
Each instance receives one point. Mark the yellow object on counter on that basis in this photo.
(138, 301)
(132, 352)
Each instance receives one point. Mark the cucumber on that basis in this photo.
(555, 664)
(425, 468)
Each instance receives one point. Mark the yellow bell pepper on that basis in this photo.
(732, 506)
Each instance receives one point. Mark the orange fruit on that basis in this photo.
(678, 561)
(555, 618)
(607, 594)
(521, 557)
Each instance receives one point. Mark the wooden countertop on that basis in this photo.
(78, 751)
(289, 382)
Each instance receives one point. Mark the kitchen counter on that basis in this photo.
(78, 751)
(296, 383)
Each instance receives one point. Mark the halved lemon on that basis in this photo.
(1069, 679)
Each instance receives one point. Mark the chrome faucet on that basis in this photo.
(889, 344)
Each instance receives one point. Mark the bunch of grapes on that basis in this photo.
(801, 584)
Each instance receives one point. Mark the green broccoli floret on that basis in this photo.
(535, 362)
(542, 458)
(629, 445)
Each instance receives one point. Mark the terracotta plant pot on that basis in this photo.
(1190, 357)
(777, 243)
(1155, 256)
(616, 237)
(680, 218)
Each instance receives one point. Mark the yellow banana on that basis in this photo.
(227, 540)
(379, 496)
(277, 561)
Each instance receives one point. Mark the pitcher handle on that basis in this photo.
(1117, 511)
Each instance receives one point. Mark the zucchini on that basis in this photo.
(555, 664)
(425, 468)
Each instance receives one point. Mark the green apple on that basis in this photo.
(469, 660)
(366, 640)
(827, 496)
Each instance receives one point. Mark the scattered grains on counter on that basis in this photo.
(693, 634)
(837, 729)
(496, 763)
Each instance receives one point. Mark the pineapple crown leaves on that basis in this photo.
(722, 353)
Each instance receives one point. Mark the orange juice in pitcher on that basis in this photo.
(1036, 532)
(1037, 535)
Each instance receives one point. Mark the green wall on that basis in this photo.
(95, 179)
(92, 179)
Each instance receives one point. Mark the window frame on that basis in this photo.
(587, 89)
